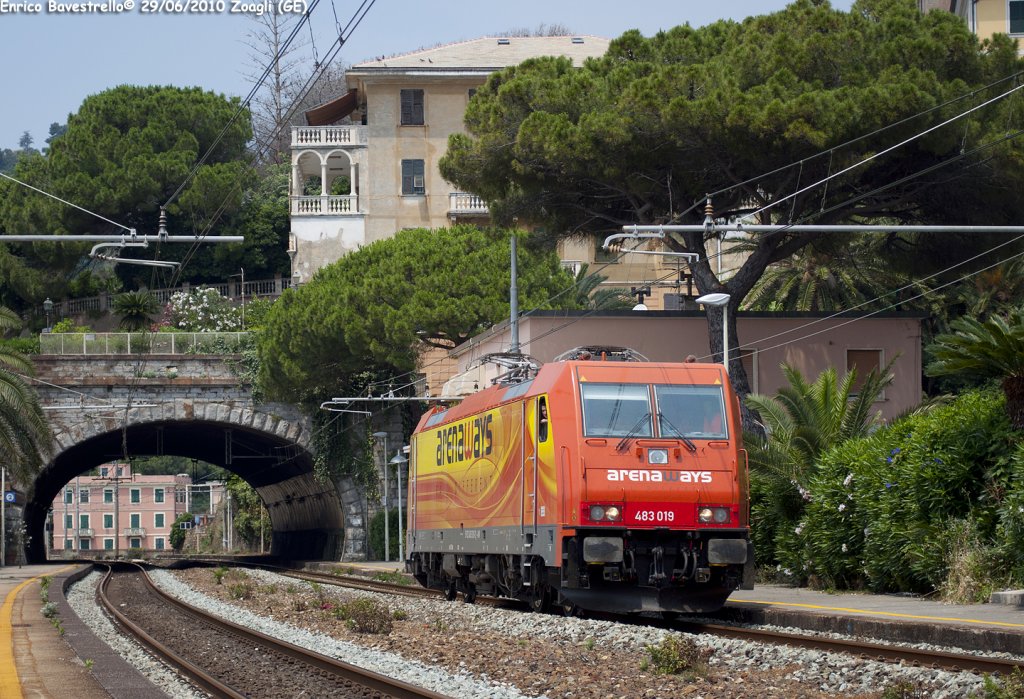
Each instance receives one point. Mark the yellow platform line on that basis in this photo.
(10, 685)
(874, 613)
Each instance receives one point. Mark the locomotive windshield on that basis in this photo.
(691, 411)
(616, 410)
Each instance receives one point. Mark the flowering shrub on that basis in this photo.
(200, 310)
(883, 508)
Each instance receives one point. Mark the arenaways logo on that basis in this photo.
(637, 475)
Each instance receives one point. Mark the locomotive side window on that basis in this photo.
(616, 410)
(542, 420)
(691, 411)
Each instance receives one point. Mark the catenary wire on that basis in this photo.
(65, 201)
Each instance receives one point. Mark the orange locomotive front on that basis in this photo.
(602, 485)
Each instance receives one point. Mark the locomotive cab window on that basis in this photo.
(542, 420)
(691, 411)
(616, 410)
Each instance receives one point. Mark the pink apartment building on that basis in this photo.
(118, 511)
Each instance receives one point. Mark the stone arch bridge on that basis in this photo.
(102, 407)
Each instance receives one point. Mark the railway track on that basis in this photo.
(228, 660)
(862, 649)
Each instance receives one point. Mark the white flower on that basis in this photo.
(787, 571)
(842, 506)
(846, 481)
(844, 548)
(799, 530)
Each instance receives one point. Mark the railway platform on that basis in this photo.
(38, 661)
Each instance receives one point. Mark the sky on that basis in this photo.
(51, 60)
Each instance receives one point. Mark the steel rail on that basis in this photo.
(959, 662)
(386, 686)
(864, 649)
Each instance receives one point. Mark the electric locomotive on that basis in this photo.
(591, 483)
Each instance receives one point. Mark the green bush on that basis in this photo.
(366, 615)
(885, 510)
(22, 345)
(676, 655)
(377, 534)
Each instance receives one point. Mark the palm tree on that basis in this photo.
(801, 422)
(590, 295)
(25, 437)
(833, 274)
(991, 349)
(137, 310)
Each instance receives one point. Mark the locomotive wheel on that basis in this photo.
(450, 592)
(541, 602)
(570, 609)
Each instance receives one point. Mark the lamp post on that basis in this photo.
(399, 461)
(721, 300)
(47, 307)
(387, 533)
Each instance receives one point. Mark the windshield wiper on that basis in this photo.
(623, 444)
(686, 440)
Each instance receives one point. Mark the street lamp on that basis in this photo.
(723, 301)
(399, 461)
(640, 293)
(387, 533)
(48, 306)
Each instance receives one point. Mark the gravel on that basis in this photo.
(477, 651)
(82, 598)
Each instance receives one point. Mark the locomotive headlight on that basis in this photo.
(657, 456)
(613, 514)
(718, 515)
(596, 513)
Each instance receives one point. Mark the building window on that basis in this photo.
(158, 520)
(84, 544)
(1016, 17)
(108, 544)
(159, 544)
(136, 496)
(181, 495)
(108, 521)
(472, 91)
(69, 495)
(83, 495)
(68, 545)
(103, 471)
(135, 543)
(108, 495)
(748, 358)
(864, 361)
(83, 521)
(158, 494)
(412, 177)
(136, 520)
(69, 521)
(412, 107)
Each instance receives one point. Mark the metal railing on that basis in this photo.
(260, 288)
(141, 343)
